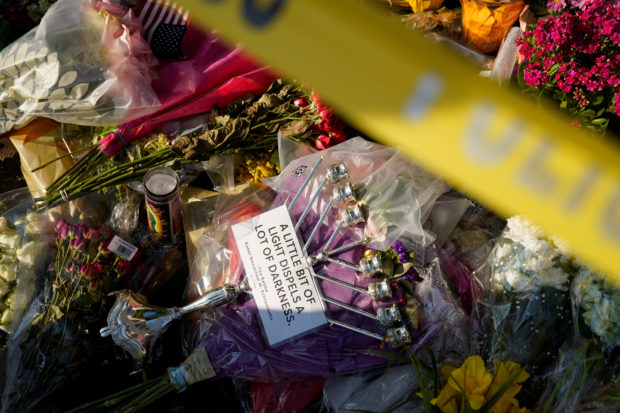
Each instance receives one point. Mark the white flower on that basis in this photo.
(38, 224)
(552, 277)
(30, 252)
(517, 280)
(520, 230)
(4, 287)
(9, 240)
(503, 251)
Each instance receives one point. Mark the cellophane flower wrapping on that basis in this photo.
(585, 375)
(398, 197)
(66, 272)
(529, 305)
(86, 63)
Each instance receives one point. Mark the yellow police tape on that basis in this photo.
(493, 144)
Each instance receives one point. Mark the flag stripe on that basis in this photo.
(163, 14)
(152, 13)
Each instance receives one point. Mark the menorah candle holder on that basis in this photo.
(134, 324)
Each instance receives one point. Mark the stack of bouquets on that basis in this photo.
(548, 312)
(56, 335)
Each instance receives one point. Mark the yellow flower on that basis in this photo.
(471, 380)
(419, 6)
(504, 370)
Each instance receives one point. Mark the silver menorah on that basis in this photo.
(134, 324)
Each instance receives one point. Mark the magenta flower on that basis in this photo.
(78, 243)
(579, 48)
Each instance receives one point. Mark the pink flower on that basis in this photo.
(78, 243)
(556, 5)
(580, 4)
(62, 228)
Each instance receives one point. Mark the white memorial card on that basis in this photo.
(281, 279)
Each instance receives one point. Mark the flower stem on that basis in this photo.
(85, 148)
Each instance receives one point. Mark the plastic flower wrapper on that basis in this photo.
(232, 335)
(10, 242)
(582, 379)
(53, 338)
(528, 297)
(597, 306)
(86, 63)
(230, 340)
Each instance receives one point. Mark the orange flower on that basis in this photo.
(486, 23)
(419, 6)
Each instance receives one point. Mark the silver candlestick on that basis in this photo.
(134, 324)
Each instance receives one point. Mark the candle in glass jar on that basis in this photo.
(162, 203)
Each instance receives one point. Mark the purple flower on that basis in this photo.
(403, 254)
(411, 275)
(556, 5)
(398, 247)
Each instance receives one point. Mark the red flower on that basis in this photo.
(323, 142)
(123, 267)
(301, 102)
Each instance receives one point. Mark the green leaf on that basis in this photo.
(600, 121)
(435, 372)
(598, 100)
(554, 69)
(521, 77)
(387, 354)
(588, 113)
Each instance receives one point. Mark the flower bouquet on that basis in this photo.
(85, 63)
(571, 57)
(52, 339)
(247, 126)
(529, 306)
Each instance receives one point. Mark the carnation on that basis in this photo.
(572, 57)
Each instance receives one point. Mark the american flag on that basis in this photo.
(152, 13)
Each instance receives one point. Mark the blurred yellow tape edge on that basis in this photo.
(492, 143)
